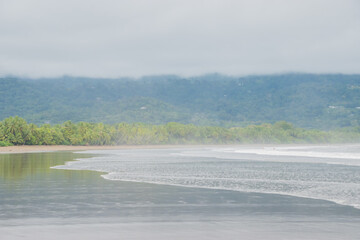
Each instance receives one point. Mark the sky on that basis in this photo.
(118, 38)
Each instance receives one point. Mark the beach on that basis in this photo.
(177, 192)
(52, 148)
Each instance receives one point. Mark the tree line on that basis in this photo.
(16, 131)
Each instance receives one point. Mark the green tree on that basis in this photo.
(15, 130)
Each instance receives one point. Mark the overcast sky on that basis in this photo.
(113, 38)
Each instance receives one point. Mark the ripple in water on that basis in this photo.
(322, 172)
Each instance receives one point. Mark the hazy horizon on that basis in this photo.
(173, 75)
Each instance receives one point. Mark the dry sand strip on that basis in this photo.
(52, 148)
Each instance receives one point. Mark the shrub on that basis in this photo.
(5, 144)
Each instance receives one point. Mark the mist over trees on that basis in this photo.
(306, 100)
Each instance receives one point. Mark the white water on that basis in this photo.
(322, 172)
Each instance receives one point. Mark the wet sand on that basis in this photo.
(39, 202)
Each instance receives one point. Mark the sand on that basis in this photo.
(52, 148)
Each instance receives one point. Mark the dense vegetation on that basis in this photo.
(306, 100)
(16, 131)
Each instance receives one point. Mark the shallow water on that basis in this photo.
(322, 172)
(36, 200)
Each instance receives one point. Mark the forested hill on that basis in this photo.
(306, 100)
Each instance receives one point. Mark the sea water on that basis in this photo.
(322, 172)
(207, 192)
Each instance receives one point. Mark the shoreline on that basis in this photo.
(55, 148)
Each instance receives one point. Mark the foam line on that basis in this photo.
(226, 169)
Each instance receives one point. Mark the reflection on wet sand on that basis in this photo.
(65, 204)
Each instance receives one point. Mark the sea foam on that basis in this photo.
(322, 172)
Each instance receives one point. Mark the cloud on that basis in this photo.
(132, 38)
